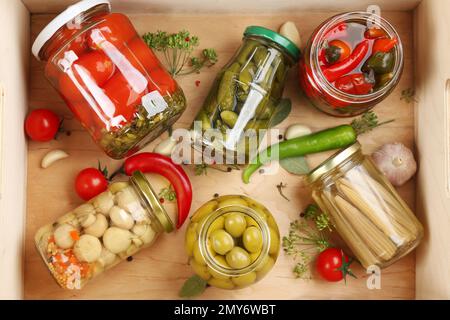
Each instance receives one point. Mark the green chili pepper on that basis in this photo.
(229, 117)
(329, 139)
(380, 62)
(383, 79)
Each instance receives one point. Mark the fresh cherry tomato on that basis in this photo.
(116, 28)
(100, 67)
(333, 264)
(123, 96)
(140, 55)
(42, 125)
(374, 33)
(342, 48)
(162, 81)
(89, 183)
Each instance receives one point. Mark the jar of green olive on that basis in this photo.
(245, 94)
(232, 242)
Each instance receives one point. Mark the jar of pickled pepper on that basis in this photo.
(232, 241)
(109, 78)
(101, 233)
(245, 93)
(351, 62)
(365, 209)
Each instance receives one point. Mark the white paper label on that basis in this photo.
(154, 103)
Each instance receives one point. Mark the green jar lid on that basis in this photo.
(284, 42)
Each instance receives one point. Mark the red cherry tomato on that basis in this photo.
(140, 54)
(116, 28)
(42, 125)
(100, 67)
(123, 96)
(330, 264)
(162, 81)
(89, 183)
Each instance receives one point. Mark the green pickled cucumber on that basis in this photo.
(265, 109)
(260, 55)
(281, 71)
(203, 117)
(246, 51)
(246, 76)
(229, 117)
(225, 94)
(257, 124)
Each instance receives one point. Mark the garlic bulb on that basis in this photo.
(396, 161)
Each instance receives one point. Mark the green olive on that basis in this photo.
(210, 248)
(254, 256)
(251, 221)
(238, 258)
(191, 236)
(217, 224)
(220, 260)
(200, 270)
(252, 239)
(274, 241)
(266, 267)
(198, 255)
(222, 242)
(221, 283)
(229, 117)
(244, 280)
(204, 210)
(235, 224)
(272, 223)
(233, 201)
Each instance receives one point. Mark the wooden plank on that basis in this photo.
(159, 272)
(226, 6)
(432, 132)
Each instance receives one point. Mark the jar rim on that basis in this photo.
(326, 85)
(203, 235)
(332, 162)
(60, 20)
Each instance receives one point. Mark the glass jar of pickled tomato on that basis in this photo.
(351, 62)
(102, 232)
(246, 92)
(110, 79)
(232, 241)
(365, 208)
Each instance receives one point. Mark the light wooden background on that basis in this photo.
(158, 272)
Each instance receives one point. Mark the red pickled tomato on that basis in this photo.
(162, 81)
(139, 54)
(116, 28)
(68, 89)
(123, 96)
(99, 66)
(83, 113)
(78, 45)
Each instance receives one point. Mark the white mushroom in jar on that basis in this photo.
(106, 257)
(127, 201)
(63, 236)
(87, 220)
(84, 209)
(104, 202)
(116, 239)
(117, 186)
(120, 218)
(88, 248)
(148, 235)
(98, 227)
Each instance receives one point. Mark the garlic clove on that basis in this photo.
(396, 162)
(165, 147)
(51, 157)
(296, 130)
(290, 31)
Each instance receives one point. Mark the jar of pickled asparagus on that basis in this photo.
(245, 93)
(366, 210)
(232, 241)
(101, 233)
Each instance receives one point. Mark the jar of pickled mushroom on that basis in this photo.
(101, 233)
(365, 209)
(232, 242)
(351, 62)
(108, 77)
(245, 93)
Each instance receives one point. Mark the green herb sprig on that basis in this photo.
(177, 48)
(168, 193)
(367, 122)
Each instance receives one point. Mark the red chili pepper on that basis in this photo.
(374, 33)
(340, 69)
(148, 162)
(384, 45)
(357, 84)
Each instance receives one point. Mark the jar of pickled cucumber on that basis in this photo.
(101, 233)
(232, 242)
(365, 209)
(245, 93)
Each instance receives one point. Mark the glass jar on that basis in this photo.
(109, 78)
(102, 232)
(245, 93)
(232, 241)
(350, 27)
(364, 207)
